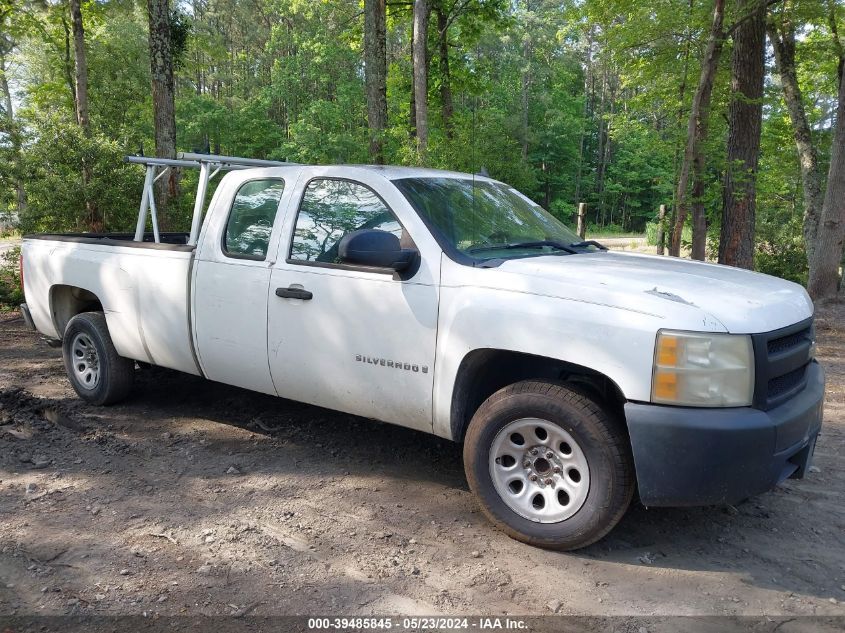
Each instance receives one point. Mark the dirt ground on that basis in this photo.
(629, 243)
(200, 499)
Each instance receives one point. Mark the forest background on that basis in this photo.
(729, 113)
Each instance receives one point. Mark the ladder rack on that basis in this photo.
(187, 160)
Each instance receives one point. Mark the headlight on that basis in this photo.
(703, 370)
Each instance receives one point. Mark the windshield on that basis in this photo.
(488, 220)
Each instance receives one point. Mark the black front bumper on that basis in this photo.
(689, 456)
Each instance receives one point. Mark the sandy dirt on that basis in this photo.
(7, 243)
(628, 243)
(193, 498)
(635, 244)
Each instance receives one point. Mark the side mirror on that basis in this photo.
(372, 247)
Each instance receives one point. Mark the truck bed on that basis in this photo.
(143, 288)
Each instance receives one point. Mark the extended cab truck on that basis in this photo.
(452, 304)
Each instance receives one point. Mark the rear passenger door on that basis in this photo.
(232, 278)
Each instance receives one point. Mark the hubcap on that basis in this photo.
(539, 470)
(86, 361)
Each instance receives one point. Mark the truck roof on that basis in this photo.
(390, 172)
(394, 172)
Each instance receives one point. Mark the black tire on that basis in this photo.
(600, 437)
(116, 374)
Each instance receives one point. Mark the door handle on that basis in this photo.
(294, 293)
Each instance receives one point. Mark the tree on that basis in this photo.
(163, 91)
(604, 99)
(81, 65)
(420, 59)
(446, 105)
(693, 157)
(824, 268)
(745, 115)
(95, 218)
(525, 79)
(375, 69)
(782, 37)
(7, 44)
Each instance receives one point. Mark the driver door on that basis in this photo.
(351, 338)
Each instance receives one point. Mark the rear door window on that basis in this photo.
(251, 219)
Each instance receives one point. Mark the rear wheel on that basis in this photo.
(98, 374)
(550, 467)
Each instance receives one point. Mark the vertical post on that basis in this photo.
(145, 200)
(154, 216)
(202, 186)
(661, 233)
(582, 220)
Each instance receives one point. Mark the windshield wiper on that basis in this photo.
(537, 244)
(601, 247)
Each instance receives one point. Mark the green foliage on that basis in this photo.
(573, 101)
(180, 31)
(55, 196)
(607, 230)
(785, 258)
(11, 293)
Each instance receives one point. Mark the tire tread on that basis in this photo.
(613, 435)
(121, 371)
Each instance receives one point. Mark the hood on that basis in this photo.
(742, 301)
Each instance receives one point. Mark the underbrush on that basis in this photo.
(11, 294)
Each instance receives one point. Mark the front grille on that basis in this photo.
(787, 382)
(781, 358)
(784, 343)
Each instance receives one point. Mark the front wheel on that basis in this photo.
(98, 374)
(550, 467)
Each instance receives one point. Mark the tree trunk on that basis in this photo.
(68, 65)
(588, 79)
(412, 112)
(447, 108)
(14, 137)
(783, 43)
(421, 12)
(525, 81)
(164, 108)
(697, 123)
(7, 95)
(375, 69)
(661, 233)
(679, 148)
(745, 116)
(699, 214)
(93, 215)
(81, 81)
(603, 140)
(824, 270)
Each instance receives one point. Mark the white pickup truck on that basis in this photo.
(453, 304)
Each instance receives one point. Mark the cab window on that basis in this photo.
(251, 219)
(330, 209)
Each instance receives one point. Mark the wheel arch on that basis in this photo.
(68, 301)
(482, 372)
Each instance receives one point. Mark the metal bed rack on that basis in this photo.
(208, 164)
